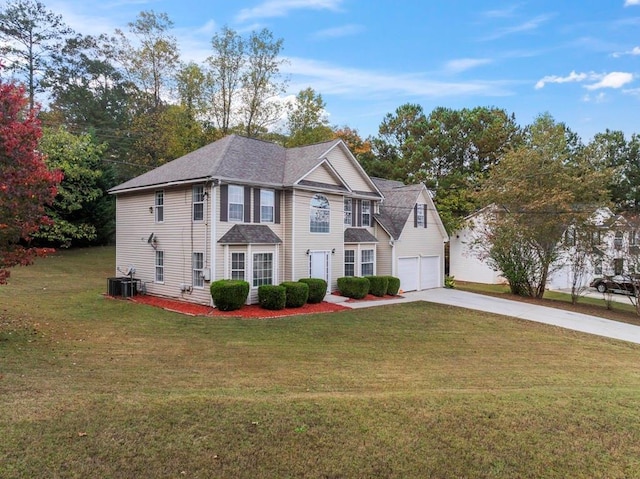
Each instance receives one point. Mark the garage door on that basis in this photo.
(429, 272)
(408, 273)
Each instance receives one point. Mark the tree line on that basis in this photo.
(117, 104)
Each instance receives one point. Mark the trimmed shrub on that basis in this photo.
(317, 289)
(272, 296)
(297, 293)
(449, 282)
(394, 285)
(229, 294)
(378, 285)
(353, 287)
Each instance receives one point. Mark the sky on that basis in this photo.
(577, 60)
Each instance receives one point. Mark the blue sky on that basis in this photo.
(577, 60)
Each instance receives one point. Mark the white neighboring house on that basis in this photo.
(613, 244)
(242, 208)
(465, 261)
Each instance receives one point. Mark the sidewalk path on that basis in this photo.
(516, 309)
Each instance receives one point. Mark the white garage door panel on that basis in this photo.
(429, 272)
(408, 273)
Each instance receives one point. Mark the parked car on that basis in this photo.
(623, 284)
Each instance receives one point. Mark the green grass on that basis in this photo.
(94, 387)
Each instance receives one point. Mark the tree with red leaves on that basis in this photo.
(26, 184)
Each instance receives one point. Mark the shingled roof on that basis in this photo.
(397, 205)
(250, 234)
(236, 158)
(358, 235)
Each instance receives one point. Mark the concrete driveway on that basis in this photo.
(540, 314)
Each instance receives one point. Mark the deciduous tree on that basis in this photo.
(26, 184)
(307, 120)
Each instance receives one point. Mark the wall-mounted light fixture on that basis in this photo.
(333, 251)
(308, 252)
(151, 209)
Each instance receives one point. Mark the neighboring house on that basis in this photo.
(612, 249)
(241, 208)
(466, 261)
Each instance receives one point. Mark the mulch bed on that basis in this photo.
(371, 297)
(247, 311)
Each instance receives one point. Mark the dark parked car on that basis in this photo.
(616, 284)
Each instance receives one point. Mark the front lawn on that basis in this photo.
(95, 387)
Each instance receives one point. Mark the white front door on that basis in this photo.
(319, 265)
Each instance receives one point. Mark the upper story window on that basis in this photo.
(348, 211)
(617, 240)
(633, 238)
(319, 215)
(267, 205)
(420, 216)
(198, 203)
(366, 213)
(236, 203)
(159, 206)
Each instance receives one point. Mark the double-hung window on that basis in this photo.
(349, 262)
(420, 216)
(262, 269)
(319, 215)
(348, 211)
(198, 269)
(159, 266)
(236, 203)
(237, 266)
(198, 203)
(267, 205)
(159, 206)
(366, 262)
(366, 213)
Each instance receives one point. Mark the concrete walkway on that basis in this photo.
(516, 309)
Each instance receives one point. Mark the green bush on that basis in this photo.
(378, 285)
(394, 285)
(353, 287)
(317, 289)
(297, 293)
(229, 294)
(449, 282)
(271, 296)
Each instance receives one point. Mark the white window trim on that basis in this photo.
(348, 211)
(198, 202)
(313, 209)
(229, 216)
(372, 262)
(197, 273)
(272, 206)
(352, 263)
(158, 206)
(159, 267)
(253, 271)
(244, 265)
(366, 213)
(420, 219)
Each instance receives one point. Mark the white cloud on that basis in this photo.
(599, 98)
(572, 77)
(337, 32)
(609, 80)
(612, 80)
(524, 27)
(335, 80)
(281, 8)
(461, 64)
(628, 3)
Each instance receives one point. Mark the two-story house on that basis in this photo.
(242, 208)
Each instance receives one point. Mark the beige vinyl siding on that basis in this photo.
(177, 236)
(289, 247)
(422, 241)
(305, 240)
(223, 257)
(350, 173)
(384, 255)
(322, 175)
